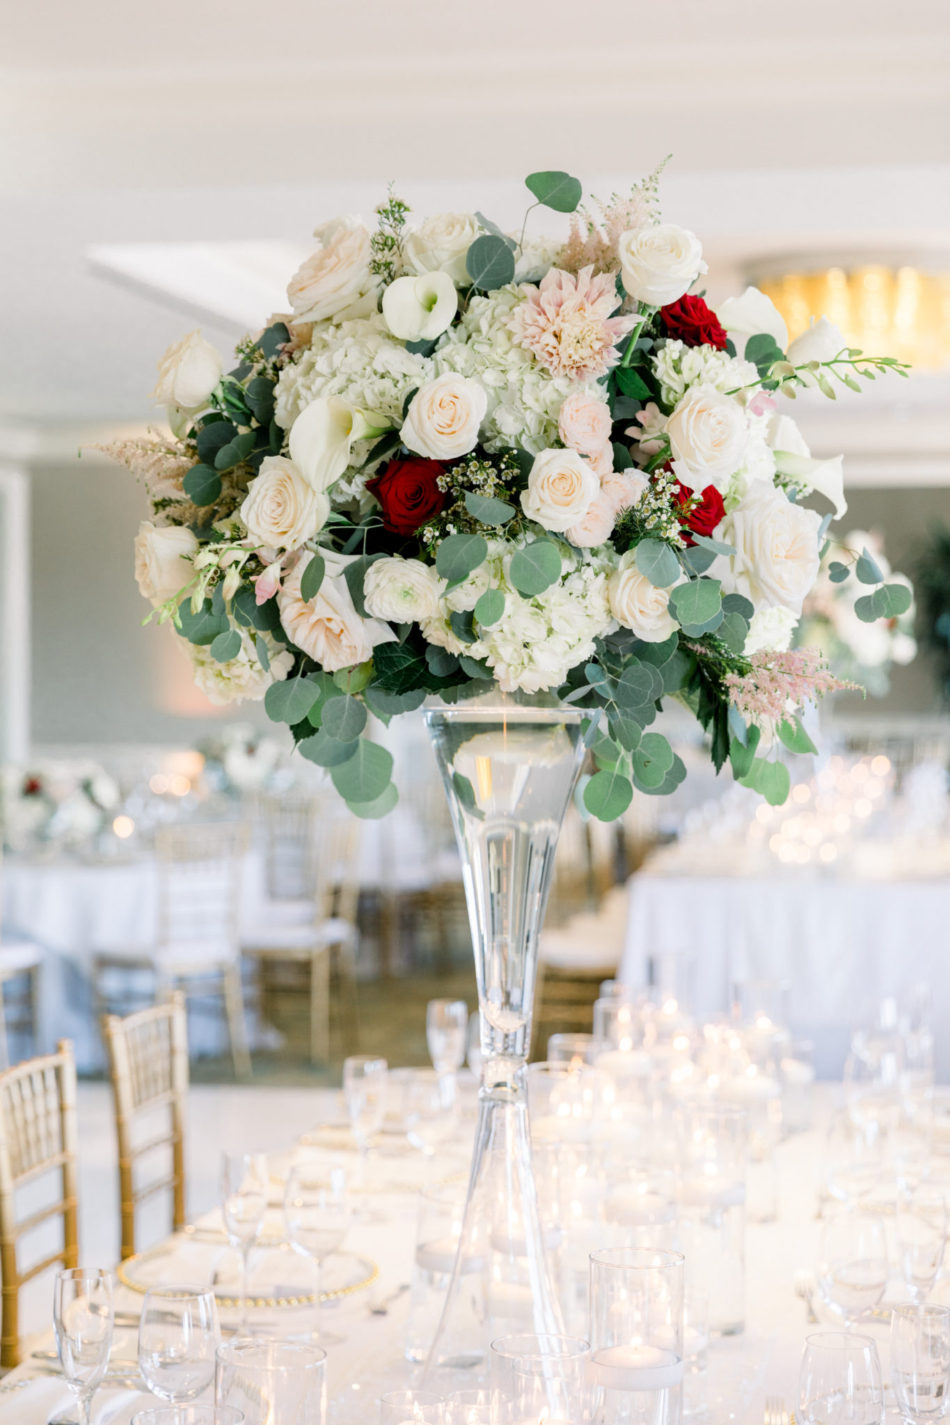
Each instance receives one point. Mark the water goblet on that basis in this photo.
(82, 1319)
(920, 1361)
(431, 1110)
(244, 1185)
(178, 1336)
(921, 1234)
(852, 1264)
(316, 1220)
(364, 1090)
(446, 1034)
(839, 1381)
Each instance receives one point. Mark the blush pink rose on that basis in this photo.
(623, 488)
(596, 526)
(584, 423)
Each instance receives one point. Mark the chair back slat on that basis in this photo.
(199, 878)
(294, 841)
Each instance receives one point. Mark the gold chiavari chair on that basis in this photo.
(198, 948)
(37, 1140)
(148, 1065)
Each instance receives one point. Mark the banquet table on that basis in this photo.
(742, 1369)
(842, 940)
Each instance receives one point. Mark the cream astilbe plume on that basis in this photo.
(593, 237)
(160, 464)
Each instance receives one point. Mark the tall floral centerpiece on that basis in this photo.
(540, 482)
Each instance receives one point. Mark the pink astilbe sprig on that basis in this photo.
(566, 323)
(593, 236)
(778, 682)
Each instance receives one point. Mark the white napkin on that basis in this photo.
(34, 1403)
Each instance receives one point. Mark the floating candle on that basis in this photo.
(638, 1367)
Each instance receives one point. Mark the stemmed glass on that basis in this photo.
(852, 1263)
(364, 1089)
(178, 1336)
(244, 1185)
(839, 1381)
(431, 1110)
(189, 1415)
(920, 1361)
(446, 1034)
(316, 1219)
(921, 1235)
(82, 1317)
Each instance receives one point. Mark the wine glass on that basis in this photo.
(839, 1382)
(446, 1034)
(920, 1360)
(82, 1318)
(852, 1263)
(316, 1219)
(921, 1234)
(244, 1185)
(178, 1336)
(364, 1089)
(431, 1110)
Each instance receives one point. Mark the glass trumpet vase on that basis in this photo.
(510, 767)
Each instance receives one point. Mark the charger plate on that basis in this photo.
(279, 1276)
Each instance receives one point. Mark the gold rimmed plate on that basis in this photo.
(279, 1276)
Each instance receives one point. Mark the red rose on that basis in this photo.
(409, 493)
(689, 320)
(705, 514)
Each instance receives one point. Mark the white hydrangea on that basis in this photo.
(678, 367)
(770, 628)
(241, 677)
(758, 464)
(359, 360)
(524, 400)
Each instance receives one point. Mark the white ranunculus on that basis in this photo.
(187, 374)
(561, 489)
(659, 264)
(821, 342)
(322, 436)
(441, 244)
(794, 459)
(638, 604)
(335, 281)
(444, 417)
(328, 627)
(163, 556)
(751, 314)
(420, 308)
(708, 435)
(776, 542)
(281, 510)
(401, 590)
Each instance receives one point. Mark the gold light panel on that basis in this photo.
(886, 311)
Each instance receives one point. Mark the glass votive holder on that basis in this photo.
(797, 1074)
(535, 1378)
(640, 1210)
(411, 1407)
(273, 1382)
(695, 1351)
(618, 1023)
(468, 1407)
(573, 1049)
(566, 1102)
(191, 1414)
(438, 1233)
(636, 1335)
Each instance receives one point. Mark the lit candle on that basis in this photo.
(634, 1208)
(511, 1299)
(517, 1246)
(636, 1367)
(625, 1063)
(560, 1128)
(751, 1088)
(439, 1256)
(712, 1192)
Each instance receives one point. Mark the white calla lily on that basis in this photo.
(752, 313)
(322, 436)
(794, 460)
(420, 308)
(821, 342)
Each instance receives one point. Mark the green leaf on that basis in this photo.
(344, 718)
(464, 791)
(794, 736)
(889, 601)
(657, 654)
(386, 704)
(770, 779)
(380, 806)
(226, 646)
(734, 630)
(487, 509)
(652, 759)
(251, 614)
(676, 671)
(235, 451)
(291, 700)
(202, 485)
(442, 663)
(625, 730)
(212, 437)
(657, 562)
(838, 572)
(365, 775)
(399, 668)
(459, 555)
(326, 751)
(495, 230)
(259, 395)
(698, 560)
(639, 683)
(715, 546)
(203, 627)
(763, 351)
(697, 606)
(354, 679)
(555, 189)
(607, 753)
(608, 794)
(535, 568)
(867, 569)
(490, 262)
(738, 604)
(490, 607)
(462, 624)
(355, 573)
(270, 341)
(632, 384)
(312, 578)
(326, 689)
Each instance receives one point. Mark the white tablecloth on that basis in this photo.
(842, 944)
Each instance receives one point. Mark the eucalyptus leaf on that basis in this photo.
(795, 738)
(608, 794)
(555, 189)
(697, 606)
(326, 751)
(291, 700)
(203, 627)
(738, 604)
(838, 572)
(459, 555)
(490, 607)
(490, 263)
(312, 578)
(226, 646)
(365, 775)
(657, 562)
(867, 569)
(379, 807)
(486, 509)
(535, 568)
(202, 485)
(344, 718)
(385, 704)
(495, 230)
(462, 624)
(715, 546)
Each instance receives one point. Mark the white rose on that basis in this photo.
(638, 604)
(441, 243)
(776, 542)
(187, 374)
(401, 590)
(280, 509)
(561, 489)
(708, 435)
(163, 557)
(659, 264)
(584, 423)
(794, 459)
(751, 314)
(336, 279)
(444, 416)
(322, 436)
(821, 342)
(420, 308)
(328, 627)
(770, 628)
